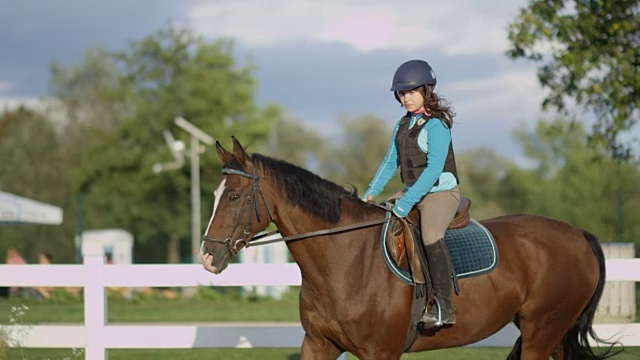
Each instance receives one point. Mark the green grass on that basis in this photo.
(276, 354)
(203, 308)
(208, 306)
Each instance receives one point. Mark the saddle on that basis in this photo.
(403, 250)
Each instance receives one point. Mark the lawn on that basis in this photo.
(273, 354)
(207, 306)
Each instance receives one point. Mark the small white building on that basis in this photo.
(116, 243)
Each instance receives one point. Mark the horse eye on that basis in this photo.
(234, 197)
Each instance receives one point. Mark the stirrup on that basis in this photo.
(427, 323)
(438, 321)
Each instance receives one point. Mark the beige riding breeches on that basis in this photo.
(437, 209)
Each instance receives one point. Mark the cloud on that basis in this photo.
(491, 107)
(47, 106)
(37, 33)
(455, 27)
(513, 91)
(318, 59)
(5, 86)
(12, 103)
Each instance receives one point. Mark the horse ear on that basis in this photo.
(223, 154)
(240, 153)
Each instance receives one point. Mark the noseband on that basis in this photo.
(232, 245)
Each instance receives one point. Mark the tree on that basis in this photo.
(169, 73)
(590, 51)
(482, 173)
(352, 159)
(90, 95)
(34, 166)
(292, 141)
(568, 184)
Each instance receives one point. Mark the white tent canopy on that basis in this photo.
(17, 209)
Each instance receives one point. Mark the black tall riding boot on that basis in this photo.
(440, 269)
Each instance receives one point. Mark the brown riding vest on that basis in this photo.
(412, 159)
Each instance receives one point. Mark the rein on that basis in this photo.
(253, 197)
(255, 242)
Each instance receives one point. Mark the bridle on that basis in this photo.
(252, 198)
(232, 246)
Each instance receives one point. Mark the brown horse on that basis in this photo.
(548, 282)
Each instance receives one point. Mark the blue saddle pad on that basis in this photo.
(473, 252)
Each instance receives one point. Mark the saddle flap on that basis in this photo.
(396, 245)
(401, 244)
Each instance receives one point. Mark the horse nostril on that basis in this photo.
(208, 258)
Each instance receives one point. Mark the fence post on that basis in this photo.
(95, 301)
(618, 303)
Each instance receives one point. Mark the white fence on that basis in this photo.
(95, 336)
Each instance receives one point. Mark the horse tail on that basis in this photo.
(516, 352)
(576, 341)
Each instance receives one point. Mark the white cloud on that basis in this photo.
(5, 86)
(48, 106)
(453, 27)
(509, 96)
(12, 103)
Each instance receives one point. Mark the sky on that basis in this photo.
(320, 60)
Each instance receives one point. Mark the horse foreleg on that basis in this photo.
(314, 347)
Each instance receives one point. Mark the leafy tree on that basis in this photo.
(352, 160)
(590, 50)
(171, 72)
(482, 173)
(90, 95)
(568, 184)
(292, 141)
(33, 166)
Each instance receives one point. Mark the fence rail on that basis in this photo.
(96, 335)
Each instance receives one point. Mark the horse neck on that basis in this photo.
(292, 220)
(314, 254)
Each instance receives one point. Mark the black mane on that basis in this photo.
(313, 194)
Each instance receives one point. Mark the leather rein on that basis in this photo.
(253, 198)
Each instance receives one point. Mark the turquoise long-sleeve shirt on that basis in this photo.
(434, 139)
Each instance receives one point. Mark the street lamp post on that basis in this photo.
(177, 149)
(197, 135)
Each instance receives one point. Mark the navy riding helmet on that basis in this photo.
(412, 74)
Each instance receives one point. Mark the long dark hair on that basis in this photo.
(438, 106)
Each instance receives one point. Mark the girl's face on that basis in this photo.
(412, 100)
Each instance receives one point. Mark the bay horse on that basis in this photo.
(548, 282)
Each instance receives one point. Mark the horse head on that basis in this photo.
(240, 209)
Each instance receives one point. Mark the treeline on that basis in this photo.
(91, 147)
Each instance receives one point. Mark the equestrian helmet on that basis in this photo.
(412, 74)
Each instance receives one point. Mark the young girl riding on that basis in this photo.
(421, 147)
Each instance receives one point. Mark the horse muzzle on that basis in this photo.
(213, 263)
